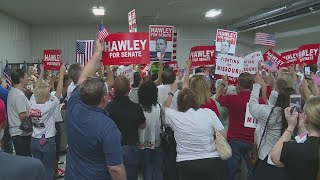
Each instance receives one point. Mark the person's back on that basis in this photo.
(4, 94)
(168, 78)
(87, 128)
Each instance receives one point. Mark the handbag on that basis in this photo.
(168, 143)
(254, 151)
(26, 125)
(222, 146)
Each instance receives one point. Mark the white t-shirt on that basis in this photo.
(133, 95)
(17, 103)
(193, 132)
(149, 137)
(70, 89)
(42, 116)
(57, 112)
(163, 91)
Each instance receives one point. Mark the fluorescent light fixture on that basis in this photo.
(213, 13)
(98, 11)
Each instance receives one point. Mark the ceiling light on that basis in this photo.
(98, 11)
(213, 13)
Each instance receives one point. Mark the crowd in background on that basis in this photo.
(162, 125)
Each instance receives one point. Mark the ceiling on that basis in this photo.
(175, 12)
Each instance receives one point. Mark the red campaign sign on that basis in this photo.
(51, 59)
(291, 57)
(161, 31)
(274, 57)
(126, 49)
(308, 54)
(230, 36)
(233, 81)
(173, 65)
(203, 55)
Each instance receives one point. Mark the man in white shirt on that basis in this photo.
(17, 108)
(74, 72)
(168, 78)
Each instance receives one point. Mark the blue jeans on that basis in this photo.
(152, 164)
(132, 161)
(240, 150)
(170, 166)
(46, 154)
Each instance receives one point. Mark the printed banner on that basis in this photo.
(309, 54)
(233, 81)
(173, 65)
(126, 49)
(251, 62)
(132, 21)
(229, 65)
(292, 57)
(126, 71)
(226, 41)
(250, 121)
(51, 59)
(161, 42)
(203, 55)
(272, 60)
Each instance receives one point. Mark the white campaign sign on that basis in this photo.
(229, 65)
(251, 62)
(249, 121)
(126, 71)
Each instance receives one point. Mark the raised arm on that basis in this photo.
(187, 74)
(110, 78)
(60, 83)
(94, 63)
(158, 81)
(40, 77)
(220, 91)
(166, 104)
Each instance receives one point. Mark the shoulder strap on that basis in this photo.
(265, 128)
(160, 116)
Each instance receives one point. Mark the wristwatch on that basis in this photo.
(170, 94)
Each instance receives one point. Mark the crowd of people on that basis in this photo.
(161, 126)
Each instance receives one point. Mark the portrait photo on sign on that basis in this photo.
(226, 42)
(161, 42)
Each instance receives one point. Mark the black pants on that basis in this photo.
(265, 171)
(22, 145)
(7, 141)
(58, 139)
(206, 169)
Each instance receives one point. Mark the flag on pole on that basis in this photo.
(84, 51)
(6, 75)
(265, 39)
(103, 33)
(174, 53)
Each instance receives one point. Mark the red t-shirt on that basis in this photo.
(236, 105)
(211, 105)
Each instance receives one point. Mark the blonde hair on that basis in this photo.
(201, 89)
(312, 110)
(41, 93)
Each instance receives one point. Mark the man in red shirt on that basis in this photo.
(240, 138)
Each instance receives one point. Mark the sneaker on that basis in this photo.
(59, 175)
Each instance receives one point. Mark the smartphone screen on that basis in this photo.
(307, 72)
(295, 102)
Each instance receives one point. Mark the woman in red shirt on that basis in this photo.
(202, 90)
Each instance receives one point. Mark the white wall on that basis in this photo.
(64, 37)
(14, 40)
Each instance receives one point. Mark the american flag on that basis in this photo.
(265, 39)
(6, 75)
(103, 33)
(174, 54)
(84, 51)
(271, 66)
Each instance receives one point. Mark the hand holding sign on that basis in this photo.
(188, 63)
(99, 46)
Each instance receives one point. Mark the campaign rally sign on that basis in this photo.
(251, 62)
(226, 41)
(203, 55)
(161, 42)
(132, 21)
(291, 57)
(126, 49)
(272, 60)
(233, 81)
(229, 65)
(126, 71)
(249, 120)
(173, 65)
(51, 59)
(309, 54)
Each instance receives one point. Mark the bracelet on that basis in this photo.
(289, 131)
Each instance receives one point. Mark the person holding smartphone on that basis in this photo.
(300, 160)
